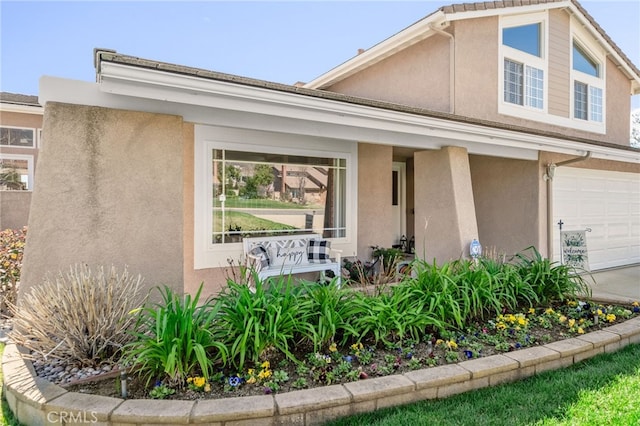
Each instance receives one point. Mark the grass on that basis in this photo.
(247, 222)
(6, 416)
(602, 390)
(263, 203)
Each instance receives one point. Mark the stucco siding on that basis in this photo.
(417, 76)
(374, 198)
(113, 196)
(506, 196)
(559, 64)
(14, 209)
(476, 64)
(618, 113)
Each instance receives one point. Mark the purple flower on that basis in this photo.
(234, 381)
(518, 345)
(268, 390)
(409, 355)
(468, 354)
(348, 358)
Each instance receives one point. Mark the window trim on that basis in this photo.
(30, 164)
(579, 37)
(209, 255)
(527, 60)
(35, 137)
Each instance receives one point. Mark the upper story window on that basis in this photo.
(588, 85)
(523, 62)
(17, 137)
(525, 38)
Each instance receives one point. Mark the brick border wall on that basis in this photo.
(36, 401)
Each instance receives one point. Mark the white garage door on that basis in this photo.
(608, 203)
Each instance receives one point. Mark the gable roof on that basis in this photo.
(441, 18)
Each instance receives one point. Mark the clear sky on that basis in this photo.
(285, 42)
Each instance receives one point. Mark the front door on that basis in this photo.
(398, 201)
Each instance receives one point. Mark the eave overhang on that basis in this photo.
(307, 112)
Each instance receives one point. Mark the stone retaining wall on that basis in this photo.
(36, 401)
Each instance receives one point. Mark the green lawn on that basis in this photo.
(604, 390)
(262, 203)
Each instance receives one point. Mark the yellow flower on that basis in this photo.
(251, 380)
(439, 342)
(598, 312)
(189, 379)
(522, 321)
(13, 256)
(562, 318)
(264, 374)
(532, 311)
(580, 330)
(199, 382)
(635, 304)
(549, 311)
(265, 365)
(501, 326)
(251, 371)
(572, 322)
(333, 347)
(572, 303)
(452, 344)
(611, 317)
(207, 387)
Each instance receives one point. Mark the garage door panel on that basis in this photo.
(606, 202)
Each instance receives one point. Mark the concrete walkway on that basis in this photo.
(619, 285)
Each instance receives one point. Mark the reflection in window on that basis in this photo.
(14, 174)
(525, 38)
(10, 136)
(258, 194)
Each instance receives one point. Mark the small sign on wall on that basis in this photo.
(574, 249)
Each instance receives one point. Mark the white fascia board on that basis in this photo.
(191, 97)
(22, 109)
(399, 41)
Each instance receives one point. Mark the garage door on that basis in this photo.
(607, 203)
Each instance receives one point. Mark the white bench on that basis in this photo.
(292, 254)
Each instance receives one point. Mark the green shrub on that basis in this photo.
(325, 313)
(81, 316)
(174, 338)
(551, 281)
(12, 243)
(254, 322)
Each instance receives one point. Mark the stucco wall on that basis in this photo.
(374, 197)
(506, 194)
(559, 93)
(14, 209)
(443, 197)
(113, 196)
(417, 76)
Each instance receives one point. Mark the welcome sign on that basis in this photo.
(574, 249)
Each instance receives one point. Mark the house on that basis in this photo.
(492, 120)
(20, 141)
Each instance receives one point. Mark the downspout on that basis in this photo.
(452, 67)
(548, 177)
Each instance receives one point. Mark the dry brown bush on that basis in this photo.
(80, 316)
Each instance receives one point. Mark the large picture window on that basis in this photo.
(261, 194)
(250, 183)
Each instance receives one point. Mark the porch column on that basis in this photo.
(443, 197)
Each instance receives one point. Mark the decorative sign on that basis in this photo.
(574, 249)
